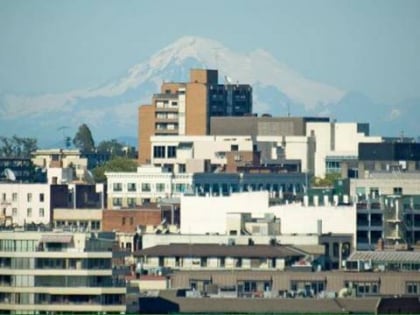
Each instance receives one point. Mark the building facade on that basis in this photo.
(393, 220)
(59, 272)
(148, 184)
(185, 108)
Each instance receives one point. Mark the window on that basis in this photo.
(41, 212)
(398, 190)
(14, 212)
(131, 202)
(239, 262)
(171, 151)
(29, 197)
(117, 187)
(3, 198)
(412, 288)
(159, 151)
(234, 147)
(307, 288)
(363, 288)
(374, 192)
(131, 187)
(160, 187)
(123, 221)
(116, 201)
(131, 220)
(182, 168)
(180, 188)
(41, 197)
(14, 196)
(145, 187)
(336, 250)
(203, 262)
(95, 225)
(29, 212)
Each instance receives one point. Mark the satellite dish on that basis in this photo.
(10, 175)
(228, 80)
(89, 177)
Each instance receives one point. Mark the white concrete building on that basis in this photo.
(294, 148)
(339, 140)
(25, 203)
(208, 214)
(148, 184)
(320, 151)
(191, 153)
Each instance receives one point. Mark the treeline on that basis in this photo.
(17, 147)
(83, 140)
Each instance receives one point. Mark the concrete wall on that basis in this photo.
(26, 203)
(153, 176)
(128, 220)
(204, 147)
(337, 139)
(386, 183)
(296, 218)
(206, 214)
(202, 215)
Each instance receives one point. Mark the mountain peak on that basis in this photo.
(116, 102)
(202, 49)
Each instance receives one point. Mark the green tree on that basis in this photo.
(118, 164)
(116, 148)
(83, 139)
(17, 147)
(112, 147)
(328, 181)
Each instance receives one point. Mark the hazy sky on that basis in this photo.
(368, 46)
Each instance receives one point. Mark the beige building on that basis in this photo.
(53, 272)
(185, 108)
(63, 166)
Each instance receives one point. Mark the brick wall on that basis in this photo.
(127, 220)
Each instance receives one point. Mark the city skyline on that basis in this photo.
(52, 48)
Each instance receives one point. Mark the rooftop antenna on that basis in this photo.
(67, 139)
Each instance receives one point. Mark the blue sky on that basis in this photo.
(368, 46)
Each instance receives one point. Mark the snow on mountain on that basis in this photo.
(111, 109)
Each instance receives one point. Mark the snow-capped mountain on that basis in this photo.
(111, 109)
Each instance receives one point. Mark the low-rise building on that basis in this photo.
(216, 256)
(148, 184)
(385, 260)
(207, 214)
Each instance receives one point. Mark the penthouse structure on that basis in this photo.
(185, 108)
(321, 145)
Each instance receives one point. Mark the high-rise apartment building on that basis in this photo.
(185, 108)
(60, 272)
